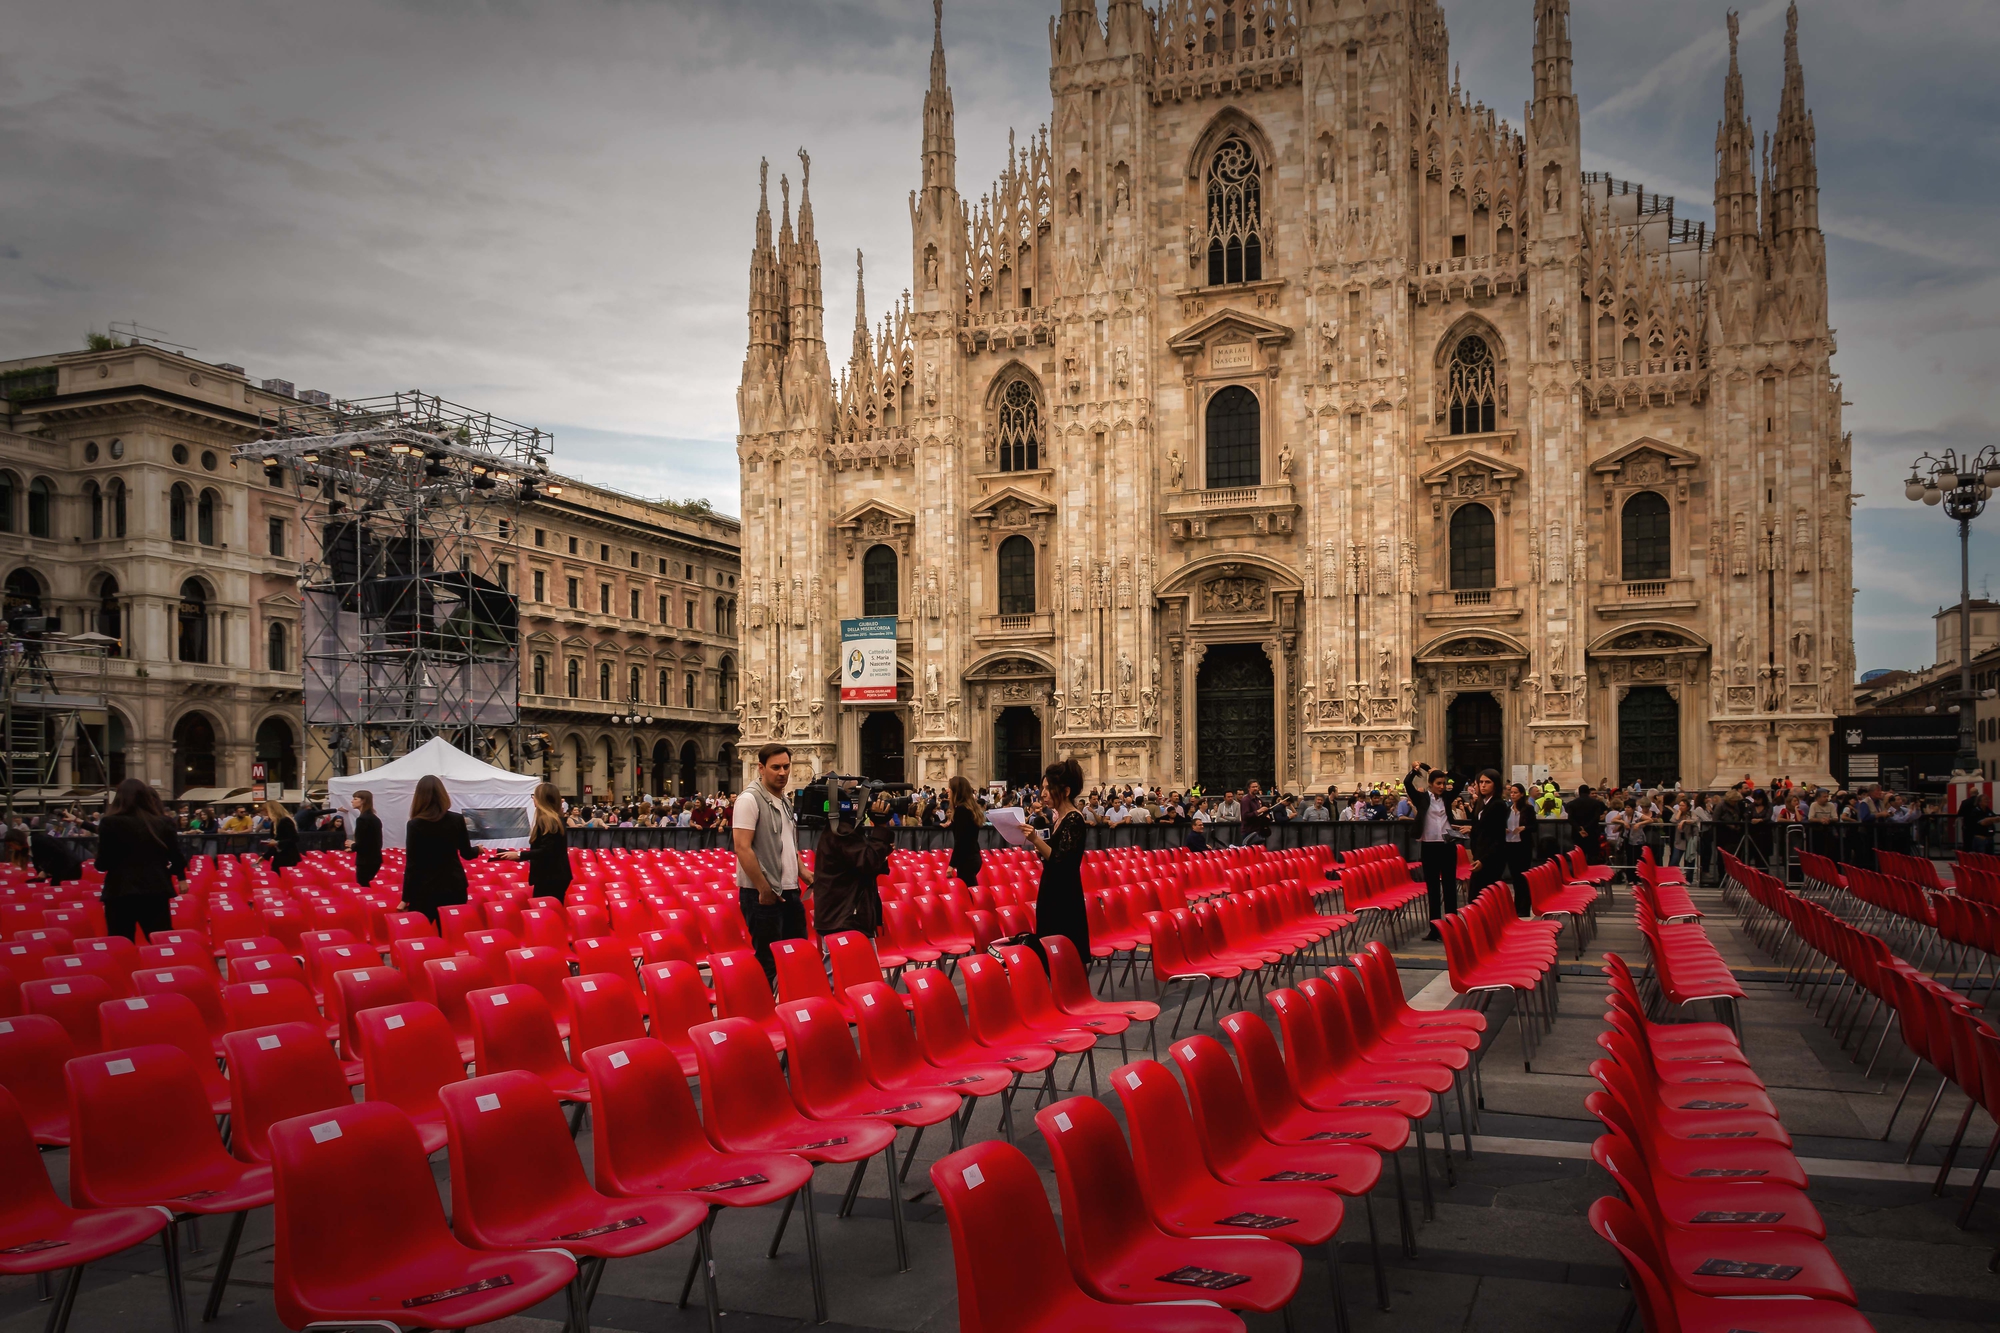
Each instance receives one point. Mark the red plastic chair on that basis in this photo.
(517, 1183)
(749, 1109)
(277, 966)
(1013, 1276)
(408, 1053)
(545, 970)
(894, 1062)
(143, 1136)
(829, 1083)
(262, 1004)
(33, 1050)
(856, 961)
(39, 1233)
(679, 1003)
(802, 976)
(365, 1161)
(451, 980)
(997, 1024)
(743, 991)
(512, 1028)
(1036, 1002)
(1071, 988)
(123, 953)
(360, 989)
(73, 1004)
(1119, 1254)
(73, 967)
(604, 1008)
(166, 1020)
(947, 1042)
(277, 1073)
(491, 947)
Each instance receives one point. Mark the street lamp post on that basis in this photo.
(1962, 483)
(632, 721)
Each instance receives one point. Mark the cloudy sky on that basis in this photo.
(544, 207)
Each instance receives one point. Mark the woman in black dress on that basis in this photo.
(139, 851)
(436, 841)
(284, 842)
(367, 839)
(1059, 906)
(548, 846)
(966, 817)
(1521, 837)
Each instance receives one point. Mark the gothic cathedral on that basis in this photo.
(1281, 413)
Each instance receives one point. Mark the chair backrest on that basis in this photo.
(742, 1090)
(74, 966)
(407, 1052)
(820, 1056)
(451, 980)
(989, 1001)
(545, 969)
(1068, 981)
(511, 1157)
(1033, 999)
(73, 1003)
(512, 1028)
(604, 1008)
(889, 1049)
(262, 1004)
(157, 1020)
(33, 1050)
(276, 1073)
(1267, 1080)
(801, 971)
(358, 989)
(140, 1127)
(741, 988)
(642, 1116)
(854, 960)
(1223, 1116)
(24, 1181)
(1011, 1269)
(1165, 1148)
(1096, 1181)
(1615, 1220)
(356, 1161)
(941, 1029)
(276, 967)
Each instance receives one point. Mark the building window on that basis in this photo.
(690, 613)
(575, 678)
(663, 609)
(635, 603)
(663, 564)
(179, 502)
(1235, 444)
(1020, 428)
(572, 594)
(604, 552)
(278, 648)
(878, 581)
(726, 686)
(96, 498)
(604, 598)
(634, 559)
(666, 688)
(8, 487)
(1017, 577)
(541, 536)
(541, 674)
(41, 507)
(204, 519)
(191, 618)
(1646, 527)
(504, 576)
(1235, 215)
(572, 546)
(604, 680)
(632, 691)
(541, 586)
(687, 689)
(114, 493)
(277, 536)
(1472, 559)
(729, 617)
(110, 618)
(1469, 386)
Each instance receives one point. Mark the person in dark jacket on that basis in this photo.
(436, 842)
(966, 817)
(547, 853)
(49, 855)
(139, 851)
(1430, 792)
(1586, 826)
(1522, 822)
(284, 842)
(367, 839)
(1489, 811)
(847, 866)
(1059, 909)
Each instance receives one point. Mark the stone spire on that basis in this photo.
(767, 297)
(940, 138)
(1555, 154)
(807, 375)
(1794, 160)
(861, 351)
(1554, 95)
(1735, 160)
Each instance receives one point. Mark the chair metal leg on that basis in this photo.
(896, 1211)
(1917, 1139)
(1951, 1149)
(65, 1300)
(1979, 1181)
(1375, 1251)
(783, 1217)
(805, 1195)
(1333, 1280)
(176, 1294)
(236, 1222)
(706, 1254)
(911, 1155)
(1408, 1229)
(853, 1190)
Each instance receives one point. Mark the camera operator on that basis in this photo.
(851, 857)
(768, 874)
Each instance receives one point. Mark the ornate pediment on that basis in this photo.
(1233, 591)
(1648, 639)
(875, 521)
(1227, 326)
(1646, 462)
(1011, 510)
(1484, 645)
(1471, 475)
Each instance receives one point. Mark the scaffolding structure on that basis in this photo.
(53, 717)
(409, 626)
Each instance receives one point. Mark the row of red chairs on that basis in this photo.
(1237, 938)
(1488, 950)
(1714, 1227)
(1553, 893)
(1685, 967)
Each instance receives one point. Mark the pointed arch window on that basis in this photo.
(178, 504)
(1469, 387)
(1020, 428)
(204, 518)
(41, 508)
(192, 621)
(1235, 215)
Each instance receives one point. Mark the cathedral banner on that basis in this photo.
(868, 660)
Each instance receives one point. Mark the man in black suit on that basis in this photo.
(1489, 833)
(1586, 826)
(1431, 791)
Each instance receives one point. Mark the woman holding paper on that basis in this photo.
(966, 817)
(1059, 907)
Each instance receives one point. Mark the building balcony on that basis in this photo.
(1233, 511)
(1476, 605)
(1036, 625)
(1645, 598)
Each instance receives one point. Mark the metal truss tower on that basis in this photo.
(409, 627)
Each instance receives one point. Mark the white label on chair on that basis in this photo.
(590, 986)
(717, 1038)
(326, 1129)
(803, 1015)
(259, 988)
(343, 951)
(6, 1025)
(787, 948)
(1062, 1121)
(868, 1000)
(448, 965)
(268, 1043)
(499, 1000)
(261, 964)
(393, 1021)
(1131, 1080)
(118, 1066)
(101, 948)
(974, 1177)
(1187, 1052)
(135, 1004)
(71, 961)
(729, 962)
(60, 988)
(923, 983)
(487, 1101)
(619, 1059)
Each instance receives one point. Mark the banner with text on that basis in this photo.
(868, 660)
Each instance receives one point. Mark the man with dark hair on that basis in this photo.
(1586, 826)
(769, 878)
(1430, 791)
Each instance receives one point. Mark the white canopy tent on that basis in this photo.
(498, 805)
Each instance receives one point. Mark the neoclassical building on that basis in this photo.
(1283, 413)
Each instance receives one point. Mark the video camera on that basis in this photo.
(844, 800)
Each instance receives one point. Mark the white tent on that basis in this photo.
(497, 805)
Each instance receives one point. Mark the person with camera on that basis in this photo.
(1430, 793)
(852, 857)
(1059, 909)
(769, 878)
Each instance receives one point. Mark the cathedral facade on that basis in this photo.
(1282, 413)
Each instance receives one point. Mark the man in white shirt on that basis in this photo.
(769, 878)
(1429, 792)
(1230, 811)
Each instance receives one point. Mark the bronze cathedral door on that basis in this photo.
(1235, 715)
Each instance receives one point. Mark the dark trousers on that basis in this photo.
(152, 911)
(1440, 876)
(1492, 869)
(1518, 855)
(783, 920)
